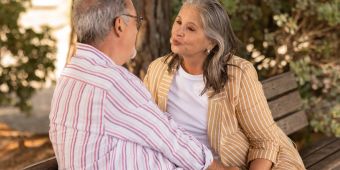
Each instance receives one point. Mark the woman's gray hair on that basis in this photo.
(93, 19)
(217, 27)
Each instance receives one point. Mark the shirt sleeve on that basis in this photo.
(132, 115)
(255, 118)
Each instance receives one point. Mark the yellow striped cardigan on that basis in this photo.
(240, 124)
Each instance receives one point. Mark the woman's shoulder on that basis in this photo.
(239, 62)
(239, 66)
(160, 61)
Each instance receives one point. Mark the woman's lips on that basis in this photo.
(176, 42)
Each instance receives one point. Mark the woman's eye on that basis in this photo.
(179, 22)
(191, 29)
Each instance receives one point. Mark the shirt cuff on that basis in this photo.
(269, 154)
(208, 157)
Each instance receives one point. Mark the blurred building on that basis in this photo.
(55, 14)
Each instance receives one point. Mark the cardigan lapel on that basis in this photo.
(163, 90)
(214, 119)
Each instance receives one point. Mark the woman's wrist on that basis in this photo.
(261, 164)
(216, 165)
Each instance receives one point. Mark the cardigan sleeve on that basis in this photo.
(255, 118)
(146, 79)
(150, 80)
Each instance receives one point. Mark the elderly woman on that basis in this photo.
(216, 95)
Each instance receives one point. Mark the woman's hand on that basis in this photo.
(260, 164)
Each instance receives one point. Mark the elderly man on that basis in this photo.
(102, 117)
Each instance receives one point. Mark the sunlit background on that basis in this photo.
(276, 36)
(56, 14)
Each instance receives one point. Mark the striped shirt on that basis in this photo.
(102, 117)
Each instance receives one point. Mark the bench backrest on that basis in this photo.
(285, 102)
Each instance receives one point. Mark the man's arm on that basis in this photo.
(131, 115)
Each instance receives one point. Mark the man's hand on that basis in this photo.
(216, 165)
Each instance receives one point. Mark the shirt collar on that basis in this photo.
(86, 50)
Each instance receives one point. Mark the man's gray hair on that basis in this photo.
(93, 19)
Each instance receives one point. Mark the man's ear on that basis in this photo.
(119, 26)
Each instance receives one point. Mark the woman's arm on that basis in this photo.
(255, 118)
(260, 164)
(216, 165)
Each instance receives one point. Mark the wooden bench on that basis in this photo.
(47, 164)
(286, 105)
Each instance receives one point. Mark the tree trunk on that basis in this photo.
(73, 38)
(153, 38)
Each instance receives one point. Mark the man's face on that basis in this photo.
(130, 33)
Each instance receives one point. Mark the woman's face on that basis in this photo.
(187, 35)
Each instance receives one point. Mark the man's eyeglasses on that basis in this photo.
(139, 19)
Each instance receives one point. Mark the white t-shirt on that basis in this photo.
(188, 108)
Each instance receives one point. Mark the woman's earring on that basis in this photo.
(208, 51)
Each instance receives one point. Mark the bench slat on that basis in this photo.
(319, 156)
(316, 146)
(279, 84)
(285, 104)
(293, 123)
(332, 162)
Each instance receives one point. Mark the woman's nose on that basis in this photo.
(179, 32)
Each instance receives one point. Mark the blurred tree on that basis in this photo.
(300, 35)
(27, 56)
(153, 38)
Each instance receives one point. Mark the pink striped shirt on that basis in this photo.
(102, 117)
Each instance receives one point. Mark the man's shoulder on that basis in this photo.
(117, 75)
(102, 76)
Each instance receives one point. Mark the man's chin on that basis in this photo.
(133, 55)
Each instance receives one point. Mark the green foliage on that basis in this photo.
(175, 7)
(329, 12)
(31, 56)
(302, 36)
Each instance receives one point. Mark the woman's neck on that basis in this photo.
(193, 65)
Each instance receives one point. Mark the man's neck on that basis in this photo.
(109, 50)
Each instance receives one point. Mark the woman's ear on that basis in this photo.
(211, 45)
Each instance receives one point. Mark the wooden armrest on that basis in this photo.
(50, 164)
